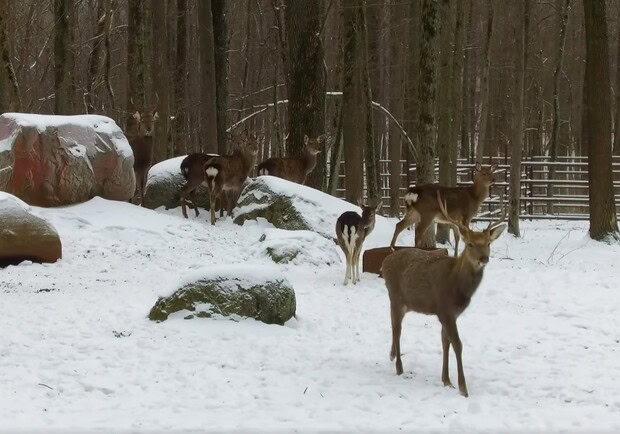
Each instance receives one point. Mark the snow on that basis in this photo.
(306, 247)
(166, 169)
(541, 337)
(96, 123)
(7, 199)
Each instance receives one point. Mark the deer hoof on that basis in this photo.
(399, 367)
(463, 391)
(448, 383)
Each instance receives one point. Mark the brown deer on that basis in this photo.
(139, 132)
(463, 204)
(227, 173)
(425, 282)
(294, 169)
(351, 231)
(192, 168)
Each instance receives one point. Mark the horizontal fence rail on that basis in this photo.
(549, 189)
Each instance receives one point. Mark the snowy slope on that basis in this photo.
(541, 337)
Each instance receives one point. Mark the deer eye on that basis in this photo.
(470, 244)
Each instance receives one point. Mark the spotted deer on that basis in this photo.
(228, 173)
(139, 132)
(294, 169)
(192, 168)
(429, 283)
(422, 208)
(351, 232)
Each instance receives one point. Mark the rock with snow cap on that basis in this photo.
(62, 160)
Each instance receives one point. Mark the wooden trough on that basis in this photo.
(373, 258)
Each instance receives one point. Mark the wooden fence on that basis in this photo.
(549, 189)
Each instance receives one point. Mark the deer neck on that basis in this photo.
(247, 159)
(480, 190)
(309, 160)
(468, 276)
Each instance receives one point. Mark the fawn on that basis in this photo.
(227, 173)
(351, 231)
(192, 168)
(139, 131)
(294, 169)
(463, 204)
(425, 282)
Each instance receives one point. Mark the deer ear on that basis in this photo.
(136, 116)
(493, 168)
(495, 232)
(360, 202)
(478, 167)
(155, 115)
(321, 138)
(306, 139)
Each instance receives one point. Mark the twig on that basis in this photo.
(556, 246)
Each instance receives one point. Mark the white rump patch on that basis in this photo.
(211, 172)
(411, 197)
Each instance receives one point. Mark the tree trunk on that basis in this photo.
(444, 102)
(484, 97)
(103, 15)
(411, 107)
(135, 57)
(616, 149)
(161, 80)
(306, 81)
(220, 40)
(397, 70)
(520, 30)
(371, 154)
(63, 58)
(603, 223)
(426, 94)
(208, 106)
(180, 81)
(467, 97)
(353, 119)
(15, 103)
(457, 107)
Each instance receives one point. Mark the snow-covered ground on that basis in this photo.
(541, 337)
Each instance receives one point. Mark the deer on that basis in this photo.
(351, 232)
(139, 132)
(422, 208)
(294, 169)
(192, 168)
(433, 284)
(228, 173)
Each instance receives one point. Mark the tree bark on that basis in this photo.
(603, 225)
(522, 14)
(161, 80)
(306, 81)
(353, 119)
(208, 105)
(180, 81)
(63, 58)
(220, 40)
(15, 103)
(103, 15)
(426, 93)
(467, 97)
(135, 56)
(484, 97)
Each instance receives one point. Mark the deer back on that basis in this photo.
(192, 166)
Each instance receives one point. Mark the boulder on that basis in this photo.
(61, 160)
(290, 206)
(252, 292)
(164, 183)
(297, 248)
(24, 236)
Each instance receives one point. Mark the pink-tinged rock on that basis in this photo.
(24, 236)
(61, 160)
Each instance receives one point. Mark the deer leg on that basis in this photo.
(214, 194)
(142, 184)
(421, 228)
(358, 251)
(453, 334)
(192, 196)
(445, 343)
(456, 241)
(188, 189)
(407, 221)
(397, 321)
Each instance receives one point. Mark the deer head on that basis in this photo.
(314, 145)
(477, 244)
(485, 175)
(145, 119)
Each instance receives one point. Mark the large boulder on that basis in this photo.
(24, 236)
(260, 293)
(61, 160)
(164, 183)
(297, 248)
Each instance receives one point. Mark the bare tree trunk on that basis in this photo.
(15, 103)
(336, 156)
(457, 107)
(353, 116)
(444, 102)
(484, 99)
(426, 94)
(180, 81)
(412, 112)
(103, 15)
(220, 40)
(135, 56)
(371, 154)
(520, 30)
(208, 105)
(397, 70)
(616, 149)
(603, 224)
(161, 80)
(467, 97)
(63, 58)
